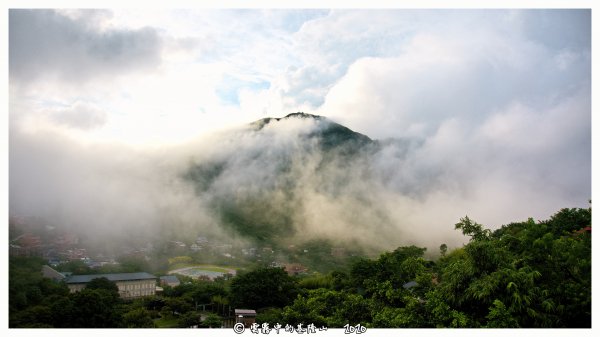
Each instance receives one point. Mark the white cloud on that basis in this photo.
(490, 110)
(45, 44)
(451, 74)
(79, 115)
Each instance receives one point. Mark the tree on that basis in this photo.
(329, 308)
(500, 317)
(34, 317)
(129, 264)
(178, 305)
(188, 319)
(568, 220)
(271, 316)
(96, 308)
(30, 295)
(138, 318)
(153, 302)
(27, 287)
(212, 321)
(264, 287)
(76, 267)
(63, 312)
(383, 279)
(524, 274)
(219, 302)
(166, 311)
(339, 280)
(103, 283)
(410, 316)
(443, 249)
(362, 270)
(472, 229)
(201, 292)
(441, 315)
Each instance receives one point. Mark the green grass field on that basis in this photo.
(207, 267)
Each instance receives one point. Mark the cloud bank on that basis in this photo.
(478, 112)
(47, 43)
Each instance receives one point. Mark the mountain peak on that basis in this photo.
(259, 124)
(300, 114)
(331, 135)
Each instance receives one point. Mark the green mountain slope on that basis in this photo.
(258, 190)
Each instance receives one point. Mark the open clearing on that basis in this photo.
(209, 271)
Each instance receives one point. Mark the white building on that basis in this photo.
(131, 285)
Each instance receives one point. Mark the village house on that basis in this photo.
(295, 269)
(26, 245)
(169, 280)
(245, 316)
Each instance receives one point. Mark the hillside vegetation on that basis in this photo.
(524, 274)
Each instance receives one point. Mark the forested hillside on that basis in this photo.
(524, 274)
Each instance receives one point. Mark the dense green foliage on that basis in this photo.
(264, 287)
(38, 302)
(102, 283)
(126, 265)
(524, 274)
(138, 318)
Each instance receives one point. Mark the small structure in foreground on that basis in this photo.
(245, 316)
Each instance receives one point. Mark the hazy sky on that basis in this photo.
(499, 100)
(147, 76)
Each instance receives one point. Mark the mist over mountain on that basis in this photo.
(276, 182)
(298, 177)
(127, 125)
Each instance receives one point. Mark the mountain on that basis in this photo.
(329, 134)
(266, 184)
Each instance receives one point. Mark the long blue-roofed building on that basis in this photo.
(131, 285)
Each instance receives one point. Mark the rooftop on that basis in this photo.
(111, 277)
(409, 285)
(245, 312)
(169, 278)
